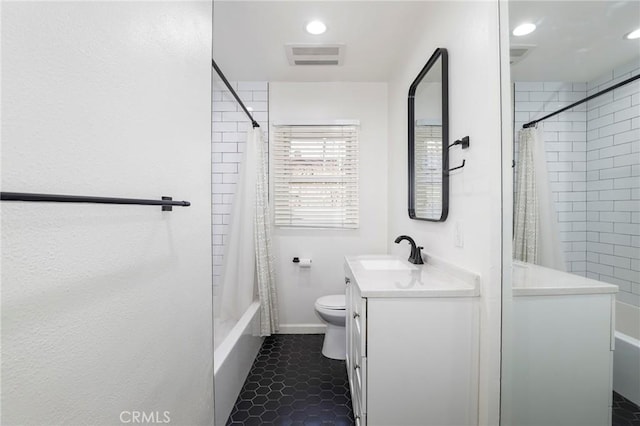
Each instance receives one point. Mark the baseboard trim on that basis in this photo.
(302, 329)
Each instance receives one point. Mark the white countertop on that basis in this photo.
(534, 280)
(433, 279)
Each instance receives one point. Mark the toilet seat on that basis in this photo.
(333, 302)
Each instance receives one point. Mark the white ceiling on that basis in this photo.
(249, 37)
(575, 40)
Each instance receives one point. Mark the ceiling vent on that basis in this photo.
(315, 54)
(518, 53)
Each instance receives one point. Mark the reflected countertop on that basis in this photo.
(390, 276)
(535, 280)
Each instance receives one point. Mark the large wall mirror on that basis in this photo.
(428, 139)
(572, 304)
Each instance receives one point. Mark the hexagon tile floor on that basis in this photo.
(625, 412)
(292, 384)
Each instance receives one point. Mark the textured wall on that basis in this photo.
(105, 308)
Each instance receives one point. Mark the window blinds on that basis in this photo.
(315, 176)
(428, 171)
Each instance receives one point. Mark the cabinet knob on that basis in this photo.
(355, 315)
(347, 280)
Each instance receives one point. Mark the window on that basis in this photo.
(315, 176)
(428, 171)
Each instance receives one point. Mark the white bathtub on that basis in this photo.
(232, 360)
(626, 357)
(626, 367)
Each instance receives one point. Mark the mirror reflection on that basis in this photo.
(575, 294)
(428, 186)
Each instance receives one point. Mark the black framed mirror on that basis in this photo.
(428, 141)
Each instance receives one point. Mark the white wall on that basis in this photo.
(106, 308)
(299, 288)
(469, 30)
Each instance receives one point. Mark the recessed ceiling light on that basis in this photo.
(524, 29)
(316, 27)
(633, 34)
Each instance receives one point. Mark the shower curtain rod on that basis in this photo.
(254, 123)
(588, 98)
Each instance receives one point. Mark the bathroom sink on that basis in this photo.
(386, 265)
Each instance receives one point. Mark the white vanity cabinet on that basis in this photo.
(558, 349)
(412, 343)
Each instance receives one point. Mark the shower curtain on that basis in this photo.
(535, 231)
(248, 265)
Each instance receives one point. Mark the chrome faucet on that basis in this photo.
(415, 256)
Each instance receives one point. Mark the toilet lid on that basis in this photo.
(334, 301)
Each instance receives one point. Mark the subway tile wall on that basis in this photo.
(593, 160)
(613, 182)
(229, 133)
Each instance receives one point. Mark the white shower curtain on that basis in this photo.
(535, 231)
(248, 266)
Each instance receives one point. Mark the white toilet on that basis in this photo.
(331, 310)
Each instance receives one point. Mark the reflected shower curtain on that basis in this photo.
(248, 266)
(535, 230)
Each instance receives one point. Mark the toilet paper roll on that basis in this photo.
(305, 262)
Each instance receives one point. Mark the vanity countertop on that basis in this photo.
(390, 276)
(535, 280)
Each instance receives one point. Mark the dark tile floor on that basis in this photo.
(625, 412)
(292, 384)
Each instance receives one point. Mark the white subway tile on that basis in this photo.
(599, 185)
(627, 228)
(625, 251)
(615, 194)
(572, 136)
(598, 268)
(253, 85)
(615, 238)
(621, 262)
(541, 96)
(229, 157)
(557, 126)
(627, 160)
(627, 206)
(259, 95)
(615, 106)
(600, 227)
(629, 182)
(579, 186)
(600, 248)
(593, 236)
(605, 163)
(617, 172)
(606, 206)
(626, 274)
(612, 151)
(225, 106)
(523, 86)
(627, 90)
(623, 217)
(225, 147)
(571, 96)
(626, 114)
(579, 206)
